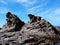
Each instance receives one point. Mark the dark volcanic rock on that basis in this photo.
(36, 32)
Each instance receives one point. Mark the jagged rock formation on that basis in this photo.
(34, 18)
(36, 32)
(13, 23)
(43, 22)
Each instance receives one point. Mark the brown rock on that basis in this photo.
(36, 32)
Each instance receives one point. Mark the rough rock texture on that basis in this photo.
(36, 32)
(13, 23)
(58, 29)
(34, 18)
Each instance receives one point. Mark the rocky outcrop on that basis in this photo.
(13, 23)
(43, 23)
(40, 31)
(36, 32)
(34, 18)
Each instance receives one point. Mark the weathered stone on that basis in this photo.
(34, 18)
(36, 32)
(13, 23)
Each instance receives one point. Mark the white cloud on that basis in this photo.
(38, 8)
(26, 1)
(34, 9)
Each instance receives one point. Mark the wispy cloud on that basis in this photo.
(3, 2)
(38, 8)
(52, 15)
(34, 9)
(57, 11)
(26, 3)
(53, 11)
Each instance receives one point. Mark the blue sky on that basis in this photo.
(47, 9)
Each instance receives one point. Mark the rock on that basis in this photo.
(34, 18)
(0, 28)
(14, 20)
(13, 23)
(36, 32)
(43, 32)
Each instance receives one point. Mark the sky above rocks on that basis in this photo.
(47, 9)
